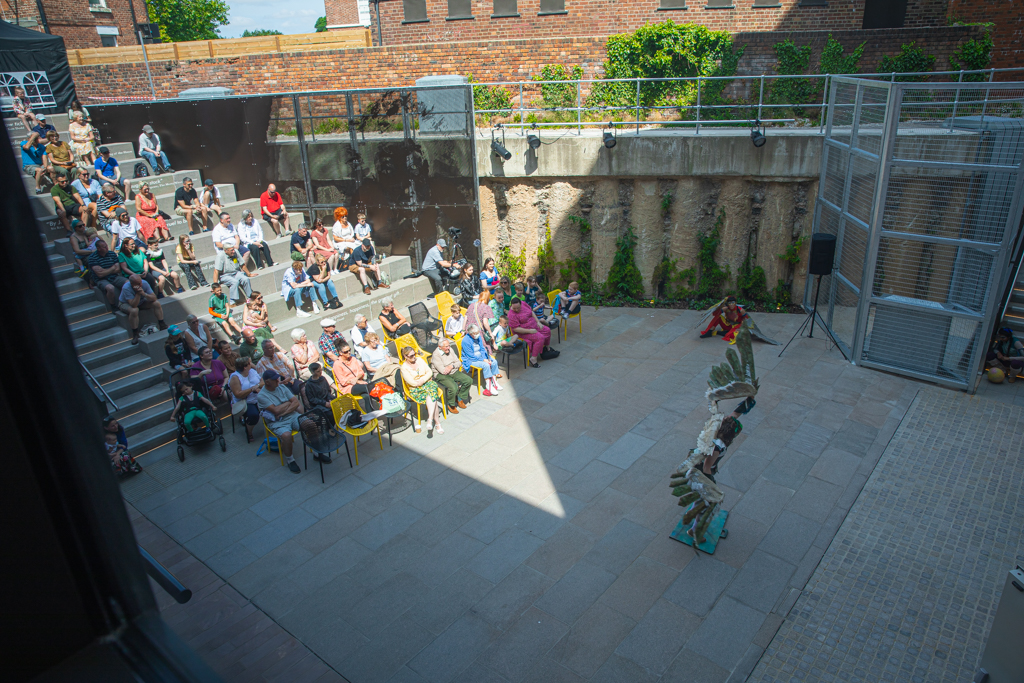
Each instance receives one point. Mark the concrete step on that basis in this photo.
(48, 248)
(67, 285)
(109, 354)
(89, 326)
(15, 127)
(138, 381)
(148, 418)
(1014, 322)
(156, 436)
(57, 260)
(91, 308)
(121, 367)
(280, 249)
(1015, 308)
(42, 204)
(62, 270)
(101, 339)
(157, 395)
(78, 297)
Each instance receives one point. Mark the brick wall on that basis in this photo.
(925, 13)
(1007, 32)
(76, 23)
(341, 12)
(486, 60)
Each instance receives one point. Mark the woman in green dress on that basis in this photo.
(422, 388)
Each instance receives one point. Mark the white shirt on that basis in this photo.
(346, 233)
(356, 334)
(251, 233)
(362, 230)
(453, 327)
(222, 234)
(215, 195)
(146, 142)
(123, 231)
(374, 357)
(246, 382)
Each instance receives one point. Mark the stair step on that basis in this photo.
(150, 397)
(121, 367)
(135, 382)
(62, 270)
(84, 328)
(108, 354)
(49, 247)
(78, 297)
(57, 260)
(83, 311)
(99, 340)
(154, 416)
(70, 284)
(154, 437)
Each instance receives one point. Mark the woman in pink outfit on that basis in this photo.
(522, 321)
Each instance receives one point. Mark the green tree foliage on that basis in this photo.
(624, 279)
(833, 61)
(793, 59)
(711, 276)
(973, 54)
(320, 25)
(260, 32)
(673, 284)
(490, 97)
(911, 59)
(558, 95)
(752, 283)
(510, 265)
(185, 20)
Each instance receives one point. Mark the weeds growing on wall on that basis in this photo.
(711, 277)
(490, 97)
(624, 279)
(559, 95)
(833, 61)
(911, 59)
(973, 54)
(670, 283)
(793, 59)
(546, 263)
(752, 284)
(510, 265)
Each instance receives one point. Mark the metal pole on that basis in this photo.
(984, 107)
(760, 98)
(698, 105)
(579, 107)
(145, 58)
(521, 119)
(638, 106)
(307, 181)
(824, 106)
(956, 101)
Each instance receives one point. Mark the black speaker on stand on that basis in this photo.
(823, 255)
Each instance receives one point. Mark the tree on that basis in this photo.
(184, 20)
(260, 32)
(321, 25)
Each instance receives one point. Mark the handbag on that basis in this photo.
(238, 407)
(381, 389)
(393, 403)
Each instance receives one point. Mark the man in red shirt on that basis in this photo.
(272, 208)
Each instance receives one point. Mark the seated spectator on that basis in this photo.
(393, 322)
(456, 322)
(34, 161)
(350, 375)
(187, 204)
(147, 212)
(136, 295)
(67, 203)
(83, 243)
(433, 262)
(343, 234)
(273, 210)
(317, 390)
(244, 384)
(531, 290)
(302, 243)
(505, 285)
(373, 354)
(211, 372)
(252, 342)
(211, 196)
(23, 109)
(166, 279)
(449, 376)
(295, 282)
(42, 127)
(540, 309)
(274, 359)
(282, 408)
(189, 264)
(112, 426)
(420, 384)
(77, 106)
(1006, 353)
(81, 134)
(109, 171)
(107, 205)
(569, 301)
(250, 232)
(229, 268)
(191, 403)
(476, 354)
(255, 314)
(361, 262)
(468, 287)
(504, 339)
(133, 262)
(362, 228)
(197, 334)
(106, 273)
(499, 304)
(524, 323)
(482, 315)
(320, 274)
(220, 310)
(359, 331)
(126, 229)
(179, 355)
(151, 150)
(304, 353)
(321, 242)
(225, 233)
(120, 459)
(89, 190)
(519, 290)
(328, 342)
(226, 355)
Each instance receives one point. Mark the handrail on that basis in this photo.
(98, 385)
(167, 581)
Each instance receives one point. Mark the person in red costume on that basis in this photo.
(729, 315)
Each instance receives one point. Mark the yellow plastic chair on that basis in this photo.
(408, 396)
(410, 341)
(457, 342)
(341, 405)
(444, 301)
(268, 435)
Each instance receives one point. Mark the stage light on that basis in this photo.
(757, 135)
(533, 138)
(609, 136)
(500, 150)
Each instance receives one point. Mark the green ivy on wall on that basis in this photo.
(911, 59)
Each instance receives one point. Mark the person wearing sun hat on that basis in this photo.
(151, 150)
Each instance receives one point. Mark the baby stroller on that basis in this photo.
(201, 433)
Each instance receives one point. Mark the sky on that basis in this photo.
(293, 16)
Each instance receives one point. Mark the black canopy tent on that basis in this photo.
(38, 62)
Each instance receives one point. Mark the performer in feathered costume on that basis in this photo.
(731, 317)
(694, 481)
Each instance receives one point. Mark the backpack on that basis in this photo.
(141, 171)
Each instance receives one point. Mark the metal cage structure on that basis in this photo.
(921, 185)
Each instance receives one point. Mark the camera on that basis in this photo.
(454, 232)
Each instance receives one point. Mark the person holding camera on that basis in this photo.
(432, 264)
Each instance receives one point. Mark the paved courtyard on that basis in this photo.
(530, 541)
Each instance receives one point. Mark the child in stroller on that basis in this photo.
(120, 459)
(196, 418)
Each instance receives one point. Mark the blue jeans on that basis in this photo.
(151, 158)
(321, 291)
(490, 367)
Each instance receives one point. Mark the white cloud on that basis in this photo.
(296, 16)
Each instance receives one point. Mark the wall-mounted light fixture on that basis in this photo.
(757, 134)
(499, 147)
(610, 136)
(533, 137)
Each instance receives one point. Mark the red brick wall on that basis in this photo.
(925, 13)
(76, 23)
(341, 12)
(486, 60)
(1007, 32)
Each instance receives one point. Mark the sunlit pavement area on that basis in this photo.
(530, 542)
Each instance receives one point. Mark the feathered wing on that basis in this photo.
(756, 332)
(707, 314)
(736, 378)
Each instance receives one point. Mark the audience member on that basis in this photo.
(191, 266)
(148, 214)
(504, 339)
(1006, 353)
(228, 356)
(328, 343)
(166, 279)
(524, 323)
(302, 243)
(275, 360)
(121, 460)
(358, 332)
(211, 196)
(107, 205)
(179, 355)
(211, 372)
(482, 315)
(228, 267)
(126, 229)
(152, 151)
(34, 161)
(106, 273)
(295, 282)
(67, 203)
(540, 309)
(376, 358)
(90, 191)
(421, 387)
(317, 390)
(112, 426)
(220, 310)
(59, 155)
(245, 385)
(499, 304)
(273, 210)
(505, 285)
(187, 204)
(449, 376)
(109, 171)
(320, 273)
(133, 262)
(250, 232)
(350, 375)
(23, 109)
(77, 106)
(42, 127)
(391, 320)
(224, 233)
(362, 262)
(468, 287)
(519, 290)
(191, 403)
(81, 134)
(321, 242)
(252, 342)
(136, 295)
(283, 408)
(569, 301)
(342, 233)
(531, 290)
(362, 228)
(433, 261)
(304, 352)
(83, 243)
(197, 334)
(476, 354)
(455, 323)
(255, 313)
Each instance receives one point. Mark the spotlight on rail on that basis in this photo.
(609, 136)
(757, 134)
(533, 137)
(498, 147)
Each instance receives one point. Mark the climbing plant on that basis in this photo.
(578, 268)
(670, 283)
(546, 263)
(490, 97)
(911, 59)
(624, 278)
(510, 265)
(793, 59)
(833, 61)
(711, 277)
(973, 54)
(559, 95)
(752, 284)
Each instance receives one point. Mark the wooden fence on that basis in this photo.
(230, 47)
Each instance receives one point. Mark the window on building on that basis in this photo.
(885, 13)
(552, 7)
(460, 9)
(720, 4)
(505, 8)
(415, 11)
(98, 5)
(768, 3)
(813, 3)
(108, 41)
(672, 4)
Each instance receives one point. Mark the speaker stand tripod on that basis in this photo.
(810, 319)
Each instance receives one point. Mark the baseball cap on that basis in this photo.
(209, 181)
(104, 150)
(442, 243)
(328, 322)
(120, 211)
(41, 117)
(147, 128)
(173, 330)
(271, 374)
(366, 242)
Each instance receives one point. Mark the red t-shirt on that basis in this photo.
(270, 204)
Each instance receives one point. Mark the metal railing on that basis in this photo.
(164, 578)
(527, 100)
(97, 385)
